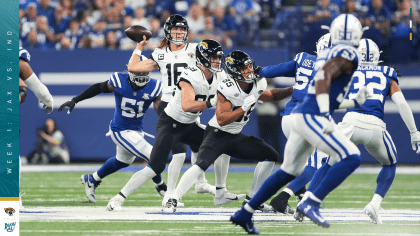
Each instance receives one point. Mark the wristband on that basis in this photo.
(137, 52)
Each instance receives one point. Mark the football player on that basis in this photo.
(195, 92)
(172, 55)
(27, 78)
(312, 129)
(365, 125)
(134, 92)
(302, 68)
(237, 96)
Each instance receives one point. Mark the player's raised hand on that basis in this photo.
(248, 102)
(144, 41)
(48, 106)
(71, 104)
(415, 140)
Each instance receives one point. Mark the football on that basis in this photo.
(136, 33)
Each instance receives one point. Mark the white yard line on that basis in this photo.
(190, 214)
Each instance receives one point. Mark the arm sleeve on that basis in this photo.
(41, 91)
(92, 91)
(286, 69)
(405, 111)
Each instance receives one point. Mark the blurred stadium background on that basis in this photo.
(76, 43)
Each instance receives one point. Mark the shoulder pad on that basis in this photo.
(390, 72)
(115, 81)
(228, 88)
(24, 54)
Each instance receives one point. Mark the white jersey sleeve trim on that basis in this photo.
(113, 81)
(156, 88)
(300, 58)
(391, 71)
(117, 78)
(385, 69)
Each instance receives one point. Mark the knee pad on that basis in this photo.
(203, 164)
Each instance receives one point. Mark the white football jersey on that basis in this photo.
(171, 65)
(203, 92)
(229, 88)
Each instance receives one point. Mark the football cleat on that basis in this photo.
(373, 213)
(165, 200)
(204, 187)
(280, 204)
(90, 186)
(244, 219)
(264, 207)
(170, 206)
(115, 204)
(161, 188)
(228, 198)
(310, 208)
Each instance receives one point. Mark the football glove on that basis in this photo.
(257, 70)
(248, 102)
(415, 139)
(50, 107)
(71, 104)
(361, 96)
(328, 124)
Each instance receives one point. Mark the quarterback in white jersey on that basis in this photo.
(172, 55)
(173, 126)
(237, 96)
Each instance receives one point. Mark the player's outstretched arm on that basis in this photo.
(188, 102)
(224, 113)
(276, 94)
(33, 83)
(92, 91)
(22, 91)
(286, 69)
(156, 102)
(135, 65)
(406, 114)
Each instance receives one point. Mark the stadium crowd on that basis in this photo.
(83, 24)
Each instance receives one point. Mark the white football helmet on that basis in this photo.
(323, 42)
(140, 79)
(346, 29)
(370, 53)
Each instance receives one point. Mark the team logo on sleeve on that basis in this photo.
(160, 57)
(191, 54)
(146, 96)
(10, 211)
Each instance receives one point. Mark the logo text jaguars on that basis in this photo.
(10, 211)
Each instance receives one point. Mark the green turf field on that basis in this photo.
(64, 190)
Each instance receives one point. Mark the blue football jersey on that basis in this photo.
(339, 87)
(131, 105)
(304, 73)
(24, 54)
(377, 77)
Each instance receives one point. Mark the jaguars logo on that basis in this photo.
(10, 211)
(191, 54)
(229, 59)
(204, 45)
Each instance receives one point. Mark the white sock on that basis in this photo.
(248, 208)
(261, 173)
(289, 191)
(221, 169)
(201, 178)
(313, 197)
(137, 180)
(174, 168)
(187, 181)
(96, 176)
(376, 201)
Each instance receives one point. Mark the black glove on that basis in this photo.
(257, 70)
(71, 104)
(396, 70)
